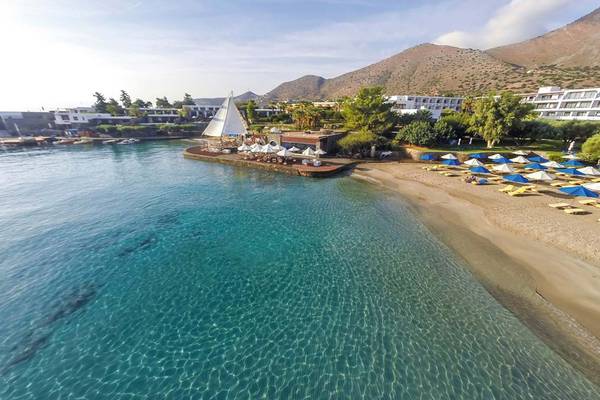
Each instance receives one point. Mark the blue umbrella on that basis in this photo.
(574, 163)
(451, 162)
(579, 191)
(428, 157)
(516, 178)
(570, 171)
(502, 160)
(480, 170)
(478, 155)
(535, 165)
(537, 159)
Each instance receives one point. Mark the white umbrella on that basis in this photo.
(255, 146)
(256, 149)
(284, 153)
(308, 152)
(571, 157)
(320, 152)
(449, 156)
(520, 160)
(539, 176)
(520, 153)
(589, 171)
(503, 168)
(592, 186)
(552, 164)
(473, 162)
(244, 147)
(268, 149)
(278, 148)
(294, 148)
(275, 130)
(495, 156)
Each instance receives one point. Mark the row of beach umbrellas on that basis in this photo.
(279, 150)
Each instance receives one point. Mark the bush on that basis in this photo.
(443, 130)
(357, 141)
(419, 133)
(106, 128)
(591, 148)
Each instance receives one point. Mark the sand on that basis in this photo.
(540, 263)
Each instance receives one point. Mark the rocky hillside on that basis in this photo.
(568, 57)
(217, 101)
(574, 45)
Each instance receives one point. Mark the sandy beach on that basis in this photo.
(541, 263)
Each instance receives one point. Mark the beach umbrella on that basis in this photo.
(453, 163)
(592, 186)
(284, 153)
(578, 191)
(571, 157)
(478, 156)
(320, 152)
(535, 165)
(516, 178)
(480, 170)
(520, 160)
(256, 149)
(268, 149)
(473, 162)
(308, 152)
(428, 157)
(540, 176)
(574, 163)
(278, 148)
(503, 168)
(520, 153)
(552, 164)
(244, 147)
(449, 156)
(502, 160)
(538, 159)
(495, 156)
(293, 148)
(570, 171)
(589, 171)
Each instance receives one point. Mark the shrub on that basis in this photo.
(591, 148)
(357, 141)
(418, 133)
(106, 128)
(443, 130)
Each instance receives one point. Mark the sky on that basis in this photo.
(58, 53)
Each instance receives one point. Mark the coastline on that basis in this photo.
(510, 257)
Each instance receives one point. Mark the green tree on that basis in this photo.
(443, 130)
(250, 111)
(188, 100)
(177, 104)
(184, 113)
(358, 141)
(459, 121)
(114, 108)
(100, 104)
(139, 103)
(135, 112)
(568, 131)
(493, 118)
(591, 148)
(163, 102)
(419, 133)
(125, 99)
(307, 116)
(369, 111)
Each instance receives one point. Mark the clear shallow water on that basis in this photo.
(129, 272)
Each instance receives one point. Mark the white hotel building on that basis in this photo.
(410, 104)
(566, 104)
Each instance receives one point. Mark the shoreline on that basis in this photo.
(561, 307)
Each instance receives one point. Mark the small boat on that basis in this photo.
(66, 141)
(83, 141)
(110, 141)
(127, 141)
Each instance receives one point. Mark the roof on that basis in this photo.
(227, 121)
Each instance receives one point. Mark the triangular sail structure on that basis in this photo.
(227, 121)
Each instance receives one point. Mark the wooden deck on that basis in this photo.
(328, 168)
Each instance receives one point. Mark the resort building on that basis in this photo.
(324, 139)
(24, 123)
(566, 104)
(202, 111)
(410, 104)
(82, 116)
(156, 115)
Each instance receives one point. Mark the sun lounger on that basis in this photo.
(507, 189)
(519, 192)
(576, 182)
(560, 206)
(574, 211)
(559, 184)
(588, 202)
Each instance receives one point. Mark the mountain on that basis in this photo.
(568, 57)
(217, 101)
(574, 45)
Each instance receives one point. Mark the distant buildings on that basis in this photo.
(24, 123)
(202, 111)
(410, 104)
(566, 104)
(71, 118)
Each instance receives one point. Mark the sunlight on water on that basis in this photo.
(133, 273)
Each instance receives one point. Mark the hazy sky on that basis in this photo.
(57, 53)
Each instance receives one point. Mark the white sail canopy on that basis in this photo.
(227, 122)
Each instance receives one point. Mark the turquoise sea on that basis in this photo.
(129, 272)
